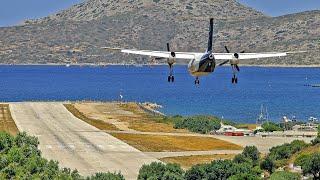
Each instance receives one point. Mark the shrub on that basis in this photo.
(311, 165)
(268, 165)
(161, 171)
(286, 150)
(221, 169)
(285, 175)
(252, 153)
(198, 124)
(270, 127)
(20, 158)
(106, 176)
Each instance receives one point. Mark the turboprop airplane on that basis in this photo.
(202, 64)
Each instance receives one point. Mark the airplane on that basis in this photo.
(202, 64)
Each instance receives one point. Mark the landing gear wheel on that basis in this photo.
(236, 80)
(197, 82)
(232, 80)
(170, 78)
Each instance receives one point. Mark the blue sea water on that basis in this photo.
(282, 90)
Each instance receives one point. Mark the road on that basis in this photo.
(74, 143)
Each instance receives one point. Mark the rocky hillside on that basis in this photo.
(158, 9)
(76, 34)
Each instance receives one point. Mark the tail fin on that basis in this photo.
(210, 41)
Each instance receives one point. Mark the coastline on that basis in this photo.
(112, 64)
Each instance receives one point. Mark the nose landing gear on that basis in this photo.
(197, 81)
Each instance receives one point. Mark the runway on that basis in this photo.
(74, 143)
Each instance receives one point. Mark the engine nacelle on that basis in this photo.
(234, 61)
(171, 61)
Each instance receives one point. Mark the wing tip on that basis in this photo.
(111, 48)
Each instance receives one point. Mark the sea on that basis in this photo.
(281, 90)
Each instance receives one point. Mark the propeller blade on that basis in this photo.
(168, 47)
(227, 49)
(237, 67)
(225, 62)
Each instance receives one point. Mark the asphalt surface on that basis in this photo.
(74, 143)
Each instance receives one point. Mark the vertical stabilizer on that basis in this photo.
(210, 36)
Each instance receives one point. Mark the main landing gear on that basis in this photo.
(234, 78)
(171, 76)
(197, 81)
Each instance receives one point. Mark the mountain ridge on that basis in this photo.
(65, 40)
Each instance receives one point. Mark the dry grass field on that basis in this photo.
(187, 162)
(7, 124)
(160, 143)
(94, 122)
(126, 117)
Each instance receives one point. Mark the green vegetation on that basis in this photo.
(317, 139)
(282, 153)
(220, 169)
(268, 165)
(310, 164)
(161, 171)
(285, 175)
(20, 158)
(271, 126)
(198, 124)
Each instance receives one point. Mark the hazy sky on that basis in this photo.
(15, 11)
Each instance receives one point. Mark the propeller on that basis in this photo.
(235, 55)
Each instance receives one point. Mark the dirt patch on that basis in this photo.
(187, 162)
(94, 122)
(126, 117)
(247, 126)
(7, 123)
(161, 143)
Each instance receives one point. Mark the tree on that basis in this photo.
(221, 169)
(198, 124)
(161, 171)
(311, 165)
(252, 153)
(268, 165)
(20, 158)
(244, 176)
(270, 127)
(317, 139)
(286, 150)
(240, 158)
(285, 175)
(106, 176)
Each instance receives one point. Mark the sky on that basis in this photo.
(13, 12)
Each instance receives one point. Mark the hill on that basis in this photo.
(76, 34)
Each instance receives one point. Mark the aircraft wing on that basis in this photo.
(193, 55)
(160, 54)
(228, 56)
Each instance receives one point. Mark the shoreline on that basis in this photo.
(111, 64)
